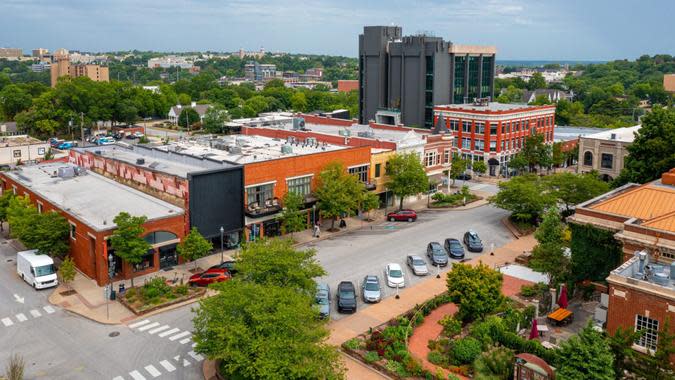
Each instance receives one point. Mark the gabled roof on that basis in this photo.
(200, 108)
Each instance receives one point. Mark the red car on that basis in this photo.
(209, 277)
(402, 216)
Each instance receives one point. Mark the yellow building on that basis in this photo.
(62, 67)
(378, 168)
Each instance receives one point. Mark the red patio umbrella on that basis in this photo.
(562, 300)
(534, 333)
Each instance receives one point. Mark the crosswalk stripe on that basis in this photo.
(49, 309)
(118, 378)
(152, 370)
(138, 324)
(21, 317)
(169, 332)
(160, 328)
(146, 327)
(183, 341)
(196, 356)
(7, 322)
(136, 375)
(35, 313)
(178, 336)
(167, 366)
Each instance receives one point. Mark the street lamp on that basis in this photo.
(222, 250)
(111, 272)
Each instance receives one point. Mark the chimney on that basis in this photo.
(668, 178)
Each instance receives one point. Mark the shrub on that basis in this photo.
(488, 331)
(371, 357)
(353, 344)
(466, 350)
(437, 358)
(397, 368)
(181, 290)
(495, 364)
(451, 326)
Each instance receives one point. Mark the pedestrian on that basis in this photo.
(343, 224)
(317, 230)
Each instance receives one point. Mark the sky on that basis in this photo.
(520, 29)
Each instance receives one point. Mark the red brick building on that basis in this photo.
(90, 202)
(348, 85)
(493, 132)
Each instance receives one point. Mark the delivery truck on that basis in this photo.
(37, 270)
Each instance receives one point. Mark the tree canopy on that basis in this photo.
(338, 193)
(126, 240)
(548, 256)
(476, 290)
(586, 355)
(47, 232)
(194, 246)
(406, 176)
(292, 219)
(525, 196)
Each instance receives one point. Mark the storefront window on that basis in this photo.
(361, 172)
(259, 194)
(147, 261)
(300, 186)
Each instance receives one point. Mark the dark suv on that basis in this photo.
(473, 242)
(346, 297)
(436, 254)
(454, 248)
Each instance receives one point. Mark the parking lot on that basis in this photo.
(352, 256)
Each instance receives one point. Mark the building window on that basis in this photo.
(466, 143)
(300, 186)
(650, 332)
(454, 142)
(159, 237)
(466, 126)
(259, 194)
(668, 253)
(431, 158)
(606, 161)
(588, 159)
(378, 167)
(41, 151)
(39, 208)
(480, 128)
(454, 125)
(17, 153)
(72, 231)
(493, 130)
(147, 261)
(493, 146)
(361, 172)
(446, 156)
(480, 145)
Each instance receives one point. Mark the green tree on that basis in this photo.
(184, 99)
(292, 219)
(14, 99)
(548, 256)
(537, 81)
(494, 364)
(536, 152)
(299, 102)
(653, 152)
(665, 348)
(525, 196)
(518, 162)
(458, 168)
(476, 290)
(338, 193)
(126, 240)
(621, 344)
(194, 246)
(187, 118)
(215, 119)
(276, 262)
(48, 233)
(585, 356)
(572, 189)
(264, 332)
(369, 201)
(479, 167)
(511, 94)
(557, 155)
(540, 100)
(4, 205)
(67, 271)
(406, 176)
(20, 215)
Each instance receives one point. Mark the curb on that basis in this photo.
(511, 228)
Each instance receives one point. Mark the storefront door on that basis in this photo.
(168, 256)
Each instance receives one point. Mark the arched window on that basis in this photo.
(158, 237)
(588, 159)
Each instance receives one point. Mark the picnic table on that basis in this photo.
(561, 316)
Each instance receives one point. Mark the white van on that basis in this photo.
(37, 270)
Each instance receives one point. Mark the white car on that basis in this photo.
(394, 275)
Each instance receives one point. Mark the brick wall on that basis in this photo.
(321, 137)
(322, 120)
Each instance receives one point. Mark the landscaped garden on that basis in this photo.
(459, 198)
(157, 293)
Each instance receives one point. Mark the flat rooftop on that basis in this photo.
(93, 199)
(20, 140)
(564, 133)
(488, 107)
(156, 159)
(365, 131)
(626, 134)
(240, 149)
(647, 272)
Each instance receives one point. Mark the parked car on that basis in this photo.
(323, 299)
(472, 241)
(229, 265)
(436, 254)
(371, 289)
(417, 265)
(454, 248)
(346, 297)
(65, 145)
(131, 136)
(394, 275)
(402, 216)
(54, 142)
(208, 277)
(117, 136)
(464, 176)
(139, 134)
(104, 141)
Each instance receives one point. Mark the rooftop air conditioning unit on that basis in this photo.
(366, 134)
(140, 161)
(345, 132)
(286, 149)
(298, 123)
(310, 141)
(235, 150)
(66, 172)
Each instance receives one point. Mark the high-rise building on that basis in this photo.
(404, 77)
(11, 53)
(39, 52)
(62, 66)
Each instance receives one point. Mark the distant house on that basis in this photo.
(8, 128)
(175, 111)
(553, 96)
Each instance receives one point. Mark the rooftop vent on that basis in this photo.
(612, 136)
(286, 149)
(97, 152)
(66, 172)
(298, 123)
(345, 132)
(79, 170)
(311, 141)
(366, 134)
(140, 161)
(235, 149)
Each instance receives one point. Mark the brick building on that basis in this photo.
(605, 152)
(62, 67)
(90, 202)
(493, 132)
(642, 289)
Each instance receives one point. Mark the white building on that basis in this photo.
(170, 61)
(21, 148)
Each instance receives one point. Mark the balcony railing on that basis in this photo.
(257, 210)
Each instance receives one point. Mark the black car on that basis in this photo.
(472, 241)
(454, 248)
(229, 265)
(346, 297)
(436, 254)
(464, 176)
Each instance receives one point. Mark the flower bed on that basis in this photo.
(460, 198)
(156, 294)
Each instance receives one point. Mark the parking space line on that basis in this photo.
(7, 322)
(49, 309)
(136, 375)
(139, 324)
(21, 317)
(35, 313)
(118, 378)
(152, 370)
(167, 366)
(158, 329)
(165, 333)
(147, 327)
(178, 336)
